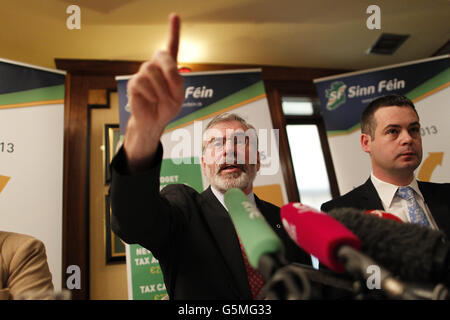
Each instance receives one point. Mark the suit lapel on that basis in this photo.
(223, 232)
(272, 217)
(439, 210)
(369, 196)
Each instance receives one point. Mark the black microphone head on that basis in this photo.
(410, 251)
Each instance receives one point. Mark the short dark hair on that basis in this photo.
(368, 123)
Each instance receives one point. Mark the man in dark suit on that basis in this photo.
(191, 234)
(391, 136)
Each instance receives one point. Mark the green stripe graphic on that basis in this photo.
(33, 95)
(343, 132)
(240, 96)
(437, 81)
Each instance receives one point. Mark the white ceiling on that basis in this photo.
(301, 33)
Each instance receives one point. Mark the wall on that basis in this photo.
(107, 281)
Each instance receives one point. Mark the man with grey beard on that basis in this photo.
(190, 233)
(230, 157)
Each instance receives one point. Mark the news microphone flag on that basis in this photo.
(255, 234)
(383, 214)
(317, 233)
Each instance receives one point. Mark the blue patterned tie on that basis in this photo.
(415, 210)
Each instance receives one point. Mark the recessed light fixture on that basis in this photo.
(387, 43)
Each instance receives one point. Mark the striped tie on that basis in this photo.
(415, 211)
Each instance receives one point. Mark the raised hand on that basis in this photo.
(155, 93)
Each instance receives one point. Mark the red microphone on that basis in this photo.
(384, 215)
(317, 233)
(338, 248)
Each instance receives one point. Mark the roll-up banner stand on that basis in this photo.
(32, 156)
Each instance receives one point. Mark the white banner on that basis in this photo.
(31, 156)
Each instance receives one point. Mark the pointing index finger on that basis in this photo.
(174, 36)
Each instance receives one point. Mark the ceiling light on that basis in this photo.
(387, 43)
(189, 51)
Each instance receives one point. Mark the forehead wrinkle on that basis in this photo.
(214, 133)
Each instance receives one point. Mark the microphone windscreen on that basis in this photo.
(317, 233)
(412, 252)
(256, 236)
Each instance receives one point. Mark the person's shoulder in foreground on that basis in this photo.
(24, 271)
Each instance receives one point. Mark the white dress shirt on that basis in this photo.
(397, 206)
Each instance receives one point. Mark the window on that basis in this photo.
(303, 130)
(297, 106)
(308, 143)
(309, 165)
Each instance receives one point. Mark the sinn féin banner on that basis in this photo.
(31, 156)
(344, 97)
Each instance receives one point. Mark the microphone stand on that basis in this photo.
(288, 283)
(302, 282)
(357, 264)
(283, 282)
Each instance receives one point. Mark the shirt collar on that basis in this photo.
(386, 191)
(221, 197)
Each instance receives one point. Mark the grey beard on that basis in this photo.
(227, 182)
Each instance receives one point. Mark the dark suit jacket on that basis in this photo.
(365, 197)
(190, 233)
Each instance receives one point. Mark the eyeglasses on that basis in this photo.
(219, 143)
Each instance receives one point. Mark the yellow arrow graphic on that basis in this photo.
(434, 159)
(3, 181)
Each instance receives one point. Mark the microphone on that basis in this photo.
(384, 215)
(317, 233)
(255, 234)
(337, 248)
(265, 250)
(411, 251)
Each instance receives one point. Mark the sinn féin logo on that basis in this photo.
(335, 95)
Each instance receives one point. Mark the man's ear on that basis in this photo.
(366, 141)
(203, 162)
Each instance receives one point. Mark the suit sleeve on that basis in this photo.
(29, 274)
(139, 214)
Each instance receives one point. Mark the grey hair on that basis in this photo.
(227, 117)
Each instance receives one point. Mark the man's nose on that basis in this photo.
(229, 150)
(405, 137)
